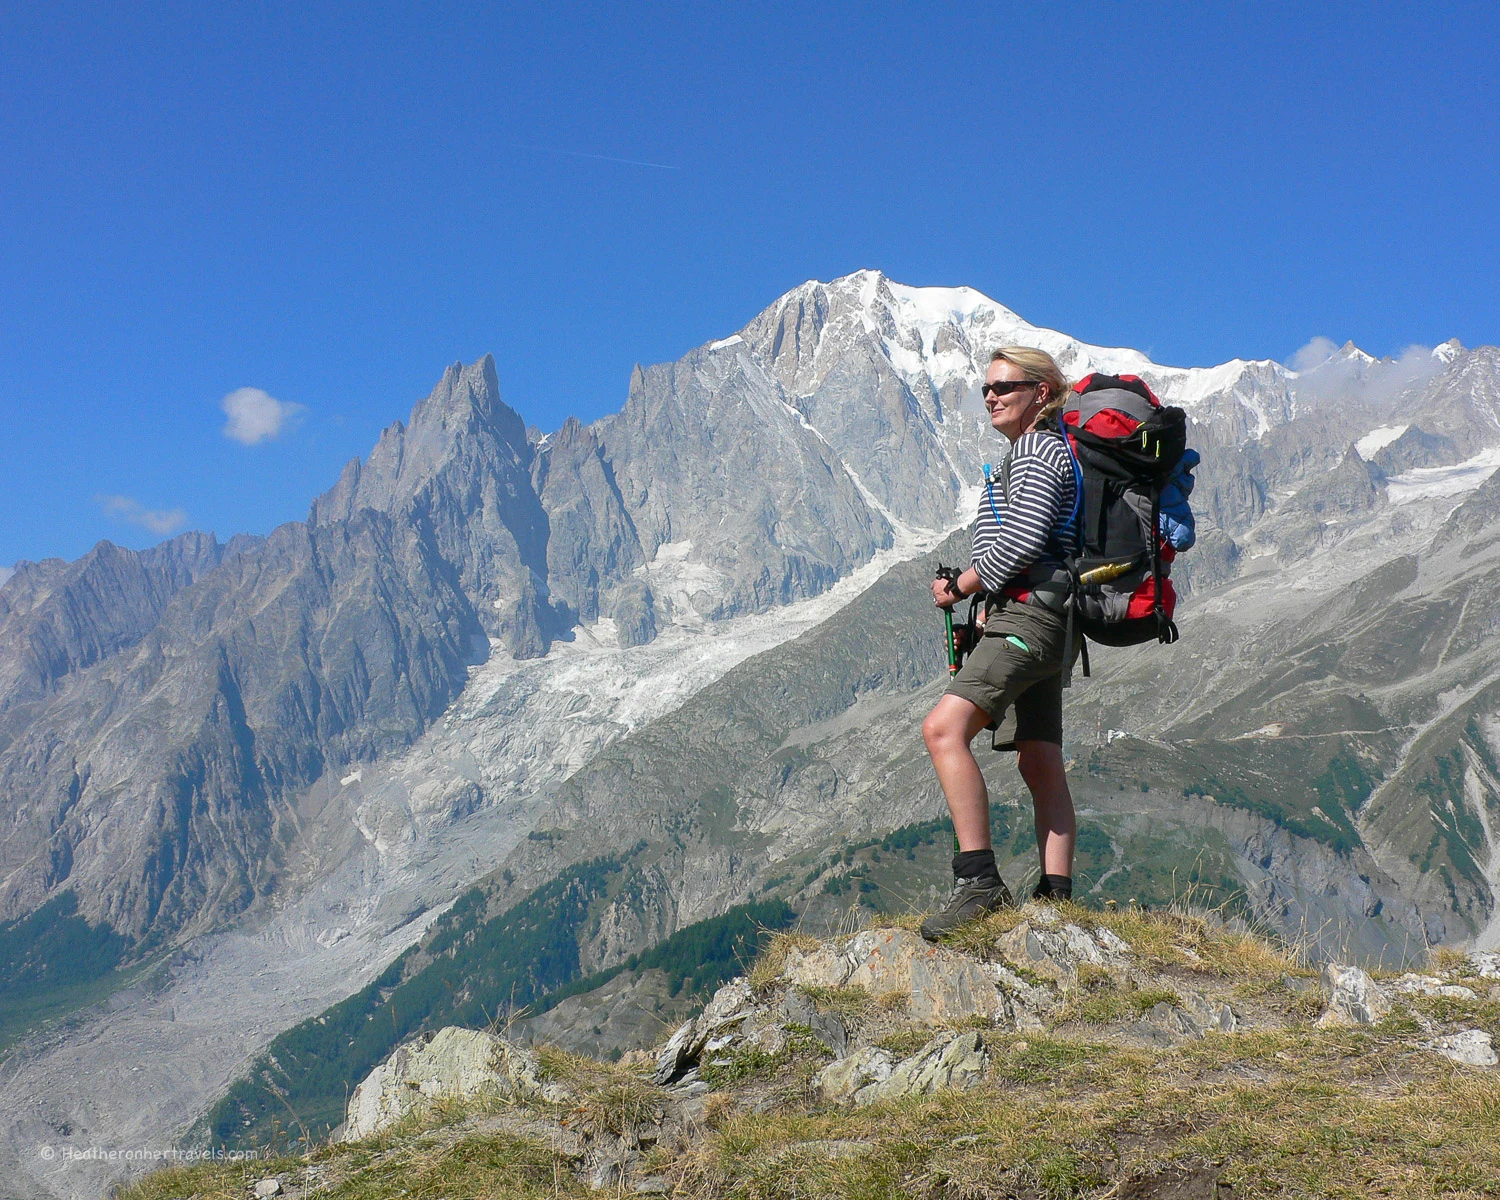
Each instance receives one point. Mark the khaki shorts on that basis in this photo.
(1021, 690)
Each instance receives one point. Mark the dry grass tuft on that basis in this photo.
(623, 1107)
(845, 1001)
(1109, 999)
(771, 963)
(1174, 937)
(979, 937)
(909, 921)
(894, 1001)
(717, 1109)
(1444, 959)
(588, 1076)
(564, 1066)
(905, 1042)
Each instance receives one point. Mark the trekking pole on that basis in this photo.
(950, 574)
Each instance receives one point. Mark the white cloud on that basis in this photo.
(158, 520)
(5, 574)
(257, 417)
(1327, 373)
(1316, 352)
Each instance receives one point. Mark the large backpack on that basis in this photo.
(1126, 444)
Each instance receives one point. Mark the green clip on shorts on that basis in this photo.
(1019, 686)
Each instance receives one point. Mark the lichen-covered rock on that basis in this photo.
(840, 1080)
(1472, 1047)
(1487, 963)
(825, 966)
(1165, 1024)
(1353, 997)
(939, 985)
(723, 1020)
(826, 1027)
(1209, 1016)
(948, 1061)
(449, 1064)
(673, 1059)
(1055, 950)
(768, 1038)
(731, 1002)
(1029, 1002)
(1429, 985)
(1194, 1016)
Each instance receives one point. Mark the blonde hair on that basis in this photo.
(1039, 365)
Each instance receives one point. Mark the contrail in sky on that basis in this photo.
(629, 162)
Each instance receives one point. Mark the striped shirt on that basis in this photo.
(1042, 488)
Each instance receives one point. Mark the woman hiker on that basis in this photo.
(1012, 682)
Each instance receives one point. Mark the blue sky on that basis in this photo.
(328, 204)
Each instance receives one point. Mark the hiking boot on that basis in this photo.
(971, 899)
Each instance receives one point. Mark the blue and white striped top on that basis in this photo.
(1015, 534)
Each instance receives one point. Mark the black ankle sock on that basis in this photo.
(975, 864)
(1053, 887)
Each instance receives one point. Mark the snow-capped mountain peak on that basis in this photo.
(938, 340)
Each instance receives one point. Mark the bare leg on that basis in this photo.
(1041, 766)
(948, 730)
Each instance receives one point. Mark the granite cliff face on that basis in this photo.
(160, 783)
(459, 474)
(57, 618)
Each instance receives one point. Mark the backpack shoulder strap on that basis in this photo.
(1070, 520)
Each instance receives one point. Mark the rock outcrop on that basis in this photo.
(953, 1060)
(1353, 997)
(1472, 1047)
(452, 1064)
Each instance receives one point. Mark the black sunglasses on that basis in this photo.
(1006, 386)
